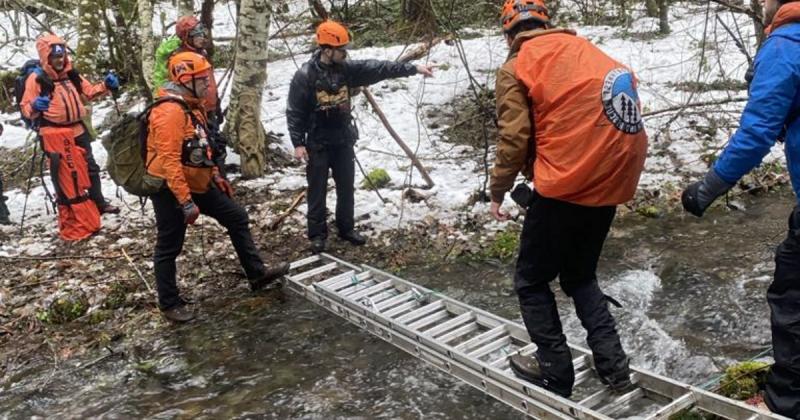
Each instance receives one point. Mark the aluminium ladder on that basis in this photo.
(474, 345)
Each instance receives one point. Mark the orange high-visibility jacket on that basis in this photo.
(66, 104)
(589, 135)
(169, 128)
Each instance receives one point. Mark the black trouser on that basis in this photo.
(340, 160)
(84, 141)
(565, 240)
(4, 213)
(783, 296)
(171, 232)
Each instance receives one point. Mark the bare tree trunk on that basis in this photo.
(148, 42)
(758, 23)
(663, 17)
(185, 8)
(207, 17)
(651, 7)
(244, 127)
(89, 24)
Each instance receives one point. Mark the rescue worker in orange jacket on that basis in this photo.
(178, 152)
(194, 38)
(63, 106)
(574, 112)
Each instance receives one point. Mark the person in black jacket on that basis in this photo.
(322, 129)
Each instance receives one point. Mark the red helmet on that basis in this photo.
(332, 34)
(516, 11)
(184, 25)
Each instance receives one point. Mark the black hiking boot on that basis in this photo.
(179, 314)
(270, 275)
(354, 238)
(528, 368)
(621, 384)
(317, 245)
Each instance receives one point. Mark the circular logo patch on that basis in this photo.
(621, 102)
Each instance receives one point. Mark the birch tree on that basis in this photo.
(89, 26)
(148, 42)
(244, 128)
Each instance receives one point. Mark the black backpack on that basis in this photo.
(47, 85)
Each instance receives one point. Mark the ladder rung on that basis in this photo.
(424, 322)
(348, 275)
(417, 313)
(402, 297)
(351, 281)
(480, 339)
(491, 347)
(370, 290)
(621, 401)
(500, 363)
(582, 376)
(527, 350)
(580, 361)
(678, 404)
(458, 332)
(314, 271)
(402, 308)
(380, 297)
(595, 398)
(443, 327)
(304, 261)
(357, 287)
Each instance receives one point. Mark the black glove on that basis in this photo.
(697, 197)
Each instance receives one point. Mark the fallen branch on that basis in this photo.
(130, 261)
(396, 137)
(694, 105)
(65, 257)
(296, 202)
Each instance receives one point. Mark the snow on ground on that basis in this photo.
(658, 62)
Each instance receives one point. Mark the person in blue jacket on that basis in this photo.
(771, 113)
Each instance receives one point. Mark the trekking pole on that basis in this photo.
(369, 181)
(28, 188)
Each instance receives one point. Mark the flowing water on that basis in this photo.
(693, 293)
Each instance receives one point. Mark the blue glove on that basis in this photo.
(41, 103)
(111, 81)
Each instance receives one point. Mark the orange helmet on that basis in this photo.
(185, 65)
(332, 34)
(516, 11)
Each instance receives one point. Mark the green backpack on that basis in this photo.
(127, 151)
(163, 53)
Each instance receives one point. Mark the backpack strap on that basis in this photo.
(75, 77)
(144, 123)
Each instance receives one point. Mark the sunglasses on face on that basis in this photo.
(198, 30)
